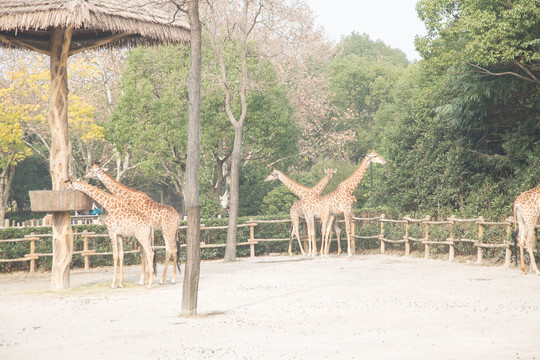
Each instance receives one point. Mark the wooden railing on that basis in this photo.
(46, 221)
(424, 228)
(478, 240)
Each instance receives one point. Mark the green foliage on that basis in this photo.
(481, 32)
(31, 174)
(362, 76)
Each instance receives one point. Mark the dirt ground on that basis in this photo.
(363, 307)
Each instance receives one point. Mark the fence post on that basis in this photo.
(508, 243)
(381, 236)
(451, 250)
(353, 240)
(479, 253)
(85, 248)
(406, 236)
(426, 245)
(32, 252)
(252, 237)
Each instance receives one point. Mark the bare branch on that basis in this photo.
(482, 70)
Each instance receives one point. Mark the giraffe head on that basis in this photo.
(274, 175)
(374, 157)
(330, 171)
(70, 185)
(94, 171)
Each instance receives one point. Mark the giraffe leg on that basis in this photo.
(326, 221)
(175, 263)
(314, 237)
(146, 243)
(311, 236)
(121, 260)
(521, 251)
(115, 259)
(143, 266)
(171, 241)
(149, 263)
(166, 265)
(337, 230)
(530, 242)
(348, 230)
(295, 232)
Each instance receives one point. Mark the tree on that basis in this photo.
(193, 207)
(12, 146)
(361, 78)
(498, 38)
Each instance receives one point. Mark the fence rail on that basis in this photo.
(426, 231)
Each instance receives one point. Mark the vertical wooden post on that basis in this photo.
(479, 253)
(32, 252)
(6, 223)
(406, 237)
(426, 245)
(381, 235)
(252, 237)
(353, 240)
(60, 154)
(451, 250)
(85, 248)
(508, 242)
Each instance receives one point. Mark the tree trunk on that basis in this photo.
(6, 179)
(60, 155)
(230, 249)
(193, 206)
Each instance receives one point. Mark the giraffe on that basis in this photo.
(342, 200)
(123, 220)
(162, 216)
(526, 212)
(310, 204)
(297, 213)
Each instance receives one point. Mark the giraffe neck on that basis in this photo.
(318, 189)
(106, 200)
(110, 183)
(297, 189)
(354, 180)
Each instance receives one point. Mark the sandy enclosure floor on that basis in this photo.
(363, 307)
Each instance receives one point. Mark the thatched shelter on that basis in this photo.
(59, 29)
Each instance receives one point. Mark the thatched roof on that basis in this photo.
(120, 22)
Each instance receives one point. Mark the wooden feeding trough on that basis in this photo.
(59, 200)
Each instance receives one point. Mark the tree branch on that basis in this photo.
(487, 72)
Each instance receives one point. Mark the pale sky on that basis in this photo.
(395, 22)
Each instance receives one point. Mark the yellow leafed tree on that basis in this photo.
(24, 93)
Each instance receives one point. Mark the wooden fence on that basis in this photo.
(46, 221)
(426, 233)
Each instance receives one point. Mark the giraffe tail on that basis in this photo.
(178, 261)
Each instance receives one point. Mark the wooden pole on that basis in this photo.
(32, 252)
(252, 238)
(508, 242)
(353, 240)
(60, 154)
(193, 206)
(479, 253)
(406, 238)
(426, 237)
(451, 249)
(85, 248)
(381, 235)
